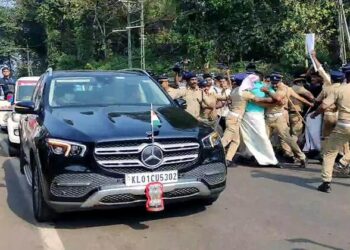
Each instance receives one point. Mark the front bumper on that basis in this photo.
(13, 132)
(4, 115)
(71, 192)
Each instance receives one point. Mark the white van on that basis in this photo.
(23, 92)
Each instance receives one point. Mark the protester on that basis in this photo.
(237, 106)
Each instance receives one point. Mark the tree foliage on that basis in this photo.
(71, 34)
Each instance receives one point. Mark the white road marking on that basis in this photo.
(48, 234)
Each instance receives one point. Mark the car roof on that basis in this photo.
(84, 73)
(29, 78)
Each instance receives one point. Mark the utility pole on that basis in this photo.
(129, 37)
(344, 35)
(142, 36)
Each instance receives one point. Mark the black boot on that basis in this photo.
(325, 187)
(288, 159)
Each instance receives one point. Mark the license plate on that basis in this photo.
(142, 179)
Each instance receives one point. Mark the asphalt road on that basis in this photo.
(260, 209)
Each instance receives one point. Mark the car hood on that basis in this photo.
(94, 124)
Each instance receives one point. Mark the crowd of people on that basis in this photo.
(263, 119)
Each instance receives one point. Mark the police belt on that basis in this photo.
(343, 124)
(233, 114)
(274, 115)
(330, 113)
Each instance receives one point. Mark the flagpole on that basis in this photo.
(152, 135)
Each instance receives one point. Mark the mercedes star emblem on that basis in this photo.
(152, 156)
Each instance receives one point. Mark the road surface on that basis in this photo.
(261, 208)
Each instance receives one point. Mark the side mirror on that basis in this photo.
(181, 103)
(24, 108)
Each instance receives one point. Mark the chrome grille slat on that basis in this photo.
(138, 149)
(138, 163)
(114, 155)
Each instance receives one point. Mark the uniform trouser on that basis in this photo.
(332, 145)
(280, 125)
(231, 137)
(296, 129)
(329, 123)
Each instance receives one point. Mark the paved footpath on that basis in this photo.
(260, 209)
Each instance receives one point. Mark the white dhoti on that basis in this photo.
(313, 133)
(256, 140)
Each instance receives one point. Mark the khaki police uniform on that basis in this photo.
(172, 92)
(295, 120)
(237, 108)
(330, 116)
(193, 97)
(208, 112)
(275, 121)
(341, 133)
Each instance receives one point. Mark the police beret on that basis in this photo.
(203, 83)
(163, 77)
(219, 77)
(188, 75)
(276, 77)
(346, 68)
(337, 76)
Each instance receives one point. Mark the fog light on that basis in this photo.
(16, 132)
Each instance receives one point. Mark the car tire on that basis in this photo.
(42, 212)
(209, 201)
(13, 149)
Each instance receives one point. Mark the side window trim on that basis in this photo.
(39, 93)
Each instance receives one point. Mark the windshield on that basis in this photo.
(105, 91)
(24, 93)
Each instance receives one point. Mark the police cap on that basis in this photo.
(203, 84)
(337, 76)
(346, 68)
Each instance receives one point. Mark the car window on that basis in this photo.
(105, 90)
(38, 92)
(24, 93)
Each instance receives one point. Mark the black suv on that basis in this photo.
(100, 139)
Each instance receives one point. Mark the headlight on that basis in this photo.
(66, 148)
(211, 140)
(15, 117)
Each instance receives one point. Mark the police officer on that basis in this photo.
(275, 119)
(208, 112)
(164, 82)
(192, 95)
(330, 115)
(295, 109)
(6, 82)
(339, 135)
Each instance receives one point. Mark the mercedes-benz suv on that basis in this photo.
(94, 140)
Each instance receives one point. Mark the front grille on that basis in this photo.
(79, 185)
(118, 198)
(180, 192)
(125, 156)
